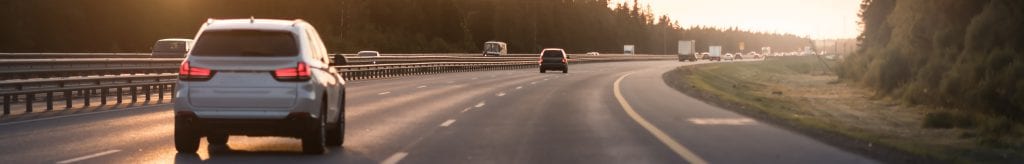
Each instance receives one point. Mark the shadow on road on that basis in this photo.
(225, 154)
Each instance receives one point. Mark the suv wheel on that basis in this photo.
(542, 70)
(336, 135)
(566, 70)
(186, 140)
(313, 140)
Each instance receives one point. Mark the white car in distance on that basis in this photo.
(370, 54)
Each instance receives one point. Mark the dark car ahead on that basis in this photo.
(554, 59)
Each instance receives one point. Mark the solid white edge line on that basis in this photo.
(393, 159)
(73, 160)
(83, 114)
(448, 123)
(678, 148)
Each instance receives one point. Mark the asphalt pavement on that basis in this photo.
(597, 113)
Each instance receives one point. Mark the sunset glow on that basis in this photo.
(819, 19)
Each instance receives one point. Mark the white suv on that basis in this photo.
(258, 77)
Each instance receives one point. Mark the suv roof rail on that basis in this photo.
(209, 21)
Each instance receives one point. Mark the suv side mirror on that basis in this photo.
(339, 59)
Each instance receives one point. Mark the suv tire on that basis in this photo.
(186, 140)
(336, 135)
(313, 140)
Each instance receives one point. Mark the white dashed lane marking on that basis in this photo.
(481, 104)
(519, 87)
(448, 123)
(422, 86)
(722, 121)
(500, 94)
(393, 159)
(73, 160)
(383, 93)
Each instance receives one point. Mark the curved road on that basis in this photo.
(514, 116)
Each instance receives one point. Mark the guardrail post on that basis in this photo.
(28, 102)
(67, 99)
(49, 101)
(160, 93)
(172, 91)
(147, 90)
(85, 95)
(134, 96)
(119, 95)
(7, 104)
(103, 95)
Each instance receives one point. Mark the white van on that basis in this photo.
(495, 48)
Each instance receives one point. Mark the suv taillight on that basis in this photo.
(564, 60)
(189, 73)
(298, 73)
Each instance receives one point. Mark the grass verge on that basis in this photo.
(798, 93)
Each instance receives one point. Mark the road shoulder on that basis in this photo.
(676, 79)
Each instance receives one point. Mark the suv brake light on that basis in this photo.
(190, 73)
(298, 73)
(564, 60)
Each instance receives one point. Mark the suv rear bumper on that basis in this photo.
(554, 66)
(294, 125)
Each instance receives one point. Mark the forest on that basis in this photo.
(391, 26)
(966, 58)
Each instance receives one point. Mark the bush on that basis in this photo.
(941, 120)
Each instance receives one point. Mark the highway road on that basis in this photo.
(598, 113)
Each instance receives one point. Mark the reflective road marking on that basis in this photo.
(395, 158)
(73, 160)
(449, 122)
(722, 121)
(680, 150)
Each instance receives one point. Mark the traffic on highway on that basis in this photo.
(443, 81)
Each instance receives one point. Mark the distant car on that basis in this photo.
(738, 56)
(371, 54)
(754, 55)
(554, 59)
(259, 77)
(728, 56)
(714, 57)
(495, 48)
(171, 48)
(593, 54)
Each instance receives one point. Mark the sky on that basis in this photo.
(818, 19)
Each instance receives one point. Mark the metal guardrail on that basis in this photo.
(159, 74)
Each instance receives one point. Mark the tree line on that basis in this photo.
(960, 56)
(391, 26)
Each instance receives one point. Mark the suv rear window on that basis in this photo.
(246, 43)
(552, 54)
